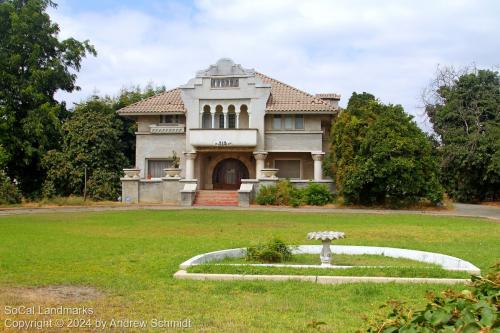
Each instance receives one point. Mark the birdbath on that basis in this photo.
(326, 238)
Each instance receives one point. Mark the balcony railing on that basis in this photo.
(237, 137)
(166, 129)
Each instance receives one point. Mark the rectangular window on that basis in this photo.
(170, 119)
(288, 168)
(299, 122)
(277, 121)
(224, 83)
(155, 167)
(288, 122)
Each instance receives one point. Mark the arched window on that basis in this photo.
(206, 119)
(231, 117)
(219, 116)
(244, 118)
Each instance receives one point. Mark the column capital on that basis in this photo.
(191, 155)
(317, 155)
(260, 155)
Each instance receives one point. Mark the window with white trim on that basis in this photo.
(277, 122)
(224, 83)
(156, 166)
(170, 119)
(299, 121)
(288, 168)
(288, 122)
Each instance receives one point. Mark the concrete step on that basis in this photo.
(216, 198)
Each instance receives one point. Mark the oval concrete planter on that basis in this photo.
(269, 173)
(172, 172)
(132, 173)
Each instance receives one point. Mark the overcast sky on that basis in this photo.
(388, 48)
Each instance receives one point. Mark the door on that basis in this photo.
(228, 174)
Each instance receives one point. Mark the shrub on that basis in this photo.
(266, 195)
(317, 194)
(104, 185)
(285, 194)
(9, 193)
(284, 190)
(469, 311)
(274, 251)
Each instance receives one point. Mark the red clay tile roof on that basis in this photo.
(166, 102)
(287, 98)
(283, 98)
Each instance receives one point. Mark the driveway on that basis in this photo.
(459, 210)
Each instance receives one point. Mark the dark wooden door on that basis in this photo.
(228, 174)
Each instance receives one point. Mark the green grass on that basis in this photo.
(132, 255)
(355, 271)
(396, 267)
(340, 260)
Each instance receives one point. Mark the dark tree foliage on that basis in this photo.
(34, 64)
(348, 132)
(465, 115)
(380, 156)
(92, 141)
(9, 193)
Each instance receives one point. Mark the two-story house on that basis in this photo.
(226, 125)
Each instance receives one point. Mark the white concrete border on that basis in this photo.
(445, 261)
(183, 275)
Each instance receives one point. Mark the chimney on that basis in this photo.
(331, 98)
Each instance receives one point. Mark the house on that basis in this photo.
(227, 125)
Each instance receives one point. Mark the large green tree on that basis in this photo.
(34, 65)
(348, 132)
(91, 142)
(380, 156)
(465, 115)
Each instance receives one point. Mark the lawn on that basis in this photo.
(129, 258)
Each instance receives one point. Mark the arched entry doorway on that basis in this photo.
(228, 174)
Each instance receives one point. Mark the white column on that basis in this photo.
(237, 120)
(225, 111)
(190, 157)
(260, 157)
(317, 156)
(213, 118)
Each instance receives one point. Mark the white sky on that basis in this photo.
(388, 48)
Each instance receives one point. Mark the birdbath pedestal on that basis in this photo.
(326, 238)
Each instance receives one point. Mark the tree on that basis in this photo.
(9, 193)
(464, 109)
(91, 141)
(380, 156)
(348, 131)
(34, 65)
(394, 165)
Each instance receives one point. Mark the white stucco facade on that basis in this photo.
(227, 123)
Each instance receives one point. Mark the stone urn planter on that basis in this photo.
(132, 173)
(326, 238)
(172, 172)
(269, 173)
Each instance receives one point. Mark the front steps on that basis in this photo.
(216, 198)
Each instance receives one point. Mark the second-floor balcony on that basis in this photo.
(166, 128)
(236, 137)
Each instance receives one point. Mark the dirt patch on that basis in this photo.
(52, 294)
(491, 203)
